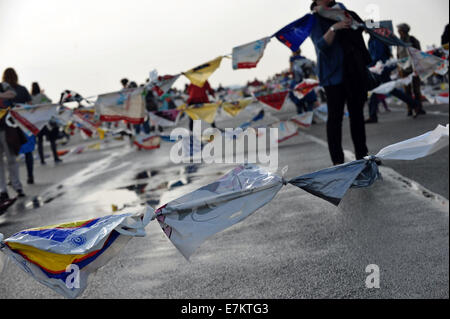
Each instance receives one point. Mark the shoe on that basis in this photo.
(422, 112)
(4, 197)
(20, 193)
(58, 160)
(410, 113)
(371, 121)
(43, 163)
(30, 180)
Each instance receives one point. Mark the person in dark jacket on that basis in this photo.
(50, 131)
(403, 29)
(342, 60)
(11, 79)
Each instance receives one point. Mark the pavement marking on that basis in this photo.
(414, 186)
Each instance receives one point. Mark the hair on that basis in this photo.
(132, 85)
(35, 89)
(314, 4)
(124, 82)
(10, 77)
(404, 27)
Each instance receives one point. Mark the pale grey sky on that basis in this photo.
(89, 45)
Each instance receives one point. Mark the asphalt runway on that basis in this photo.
(298, 246)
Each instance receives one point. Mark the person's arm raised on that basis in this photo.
(331, 33)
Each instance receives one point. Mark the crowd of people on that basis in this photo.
(342, 64)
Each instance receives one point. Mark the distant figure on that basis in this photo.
(124, 83)
(137, 127)
(50, 131)
(38, 96)
(198, 95)
(381, 52)
(6, 147)
(403, 30)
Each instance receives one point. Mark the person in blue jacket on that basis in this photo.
(342, 60)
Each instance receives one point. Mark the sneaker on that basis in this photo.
(4, 197)
(30, 180)
(20, 193)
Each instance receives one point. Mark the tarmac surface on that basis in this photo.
(297, 246)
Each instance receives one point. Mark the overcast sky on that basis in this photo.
(89, 45)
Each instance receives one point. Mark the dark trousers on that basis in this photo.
(51, 136)
(29, 161)
(402, 96)
(415, 87)
(338, 96)
(373, 106)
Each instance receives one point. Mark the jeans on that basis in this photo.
(144, 126)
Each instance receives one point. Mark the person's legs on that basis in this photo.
(408, 93)
(382, 99)
(137, 128)
(13, 169)
(402, 96)
(336, 104)
(373, 107)
(29, 162)
(418, 94)
(3, 189)
(40, 140)
(309, 106)
(355, 105)
(298, 103)
(53, 136)
(146, 127)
